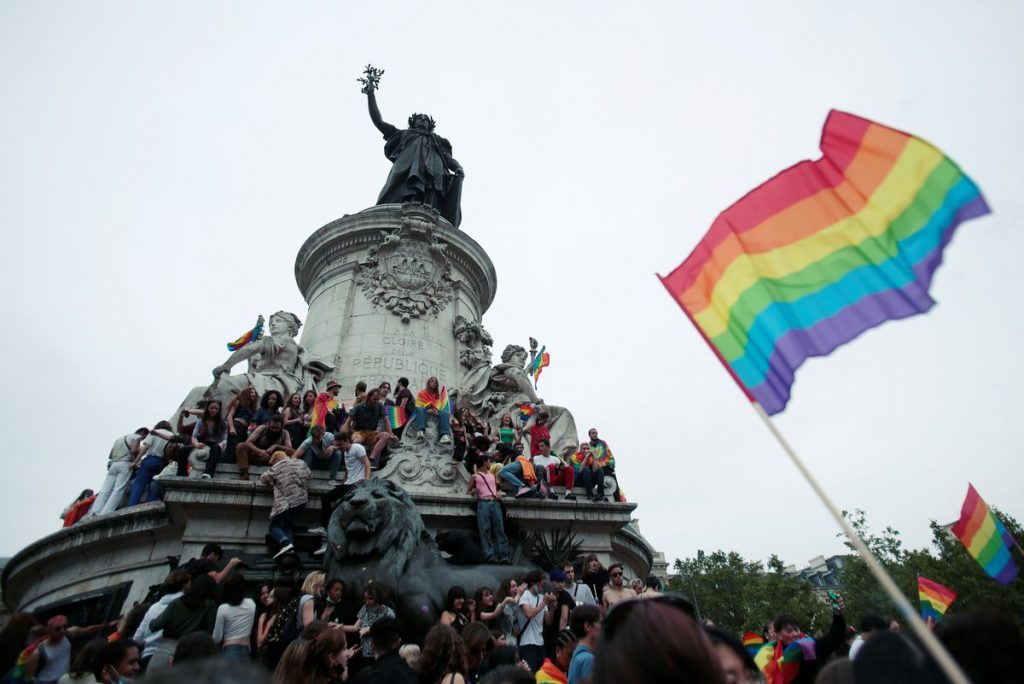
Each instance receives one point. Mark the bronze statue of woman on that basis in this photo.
(423, 169)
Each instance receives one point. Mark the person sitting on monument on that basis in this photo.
(363, 422)
(552, 470)
(289, 478)
(539, 431)
(459, 440)
(488, 513)
(264, 441)
(270, 406)
(292, 415)
(119, 470)
(360, 396)
(405, 401)
(150, 460)
(430, 402)
(521, 475)
(603, 456)
(385, 390)
(211, 430)
(240, 414)
(77, 509)
(479, 446)
(589, 474)
(508, 435)
(319, 451)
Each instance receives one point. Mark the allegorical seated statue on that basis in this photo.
(508, 386)
(376, 533)
(423, 169)
(276, 361)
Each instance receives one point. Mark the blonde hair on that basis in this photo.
(314, 581)
(412, 655)
(278, 457)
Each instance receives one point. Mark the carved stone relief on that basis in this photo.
(408, 272)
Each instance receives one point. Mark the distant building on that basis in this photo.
(821, 572)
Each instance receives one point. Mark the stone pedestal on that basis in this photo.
(384, 288)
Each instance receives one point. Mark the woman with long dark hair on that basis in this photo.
(270, 627)
(673, 646)
(292, 415)
(443, 658)
(270, 405)
(234, 620)
(455, 613)
(240, 414)
(211, 430)
(507, 597)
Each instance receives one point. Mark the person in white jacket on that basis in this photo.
(173, 588)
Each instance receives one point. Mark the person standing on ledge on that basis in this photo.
(423, 169)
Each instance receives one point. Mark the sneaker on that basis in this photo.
(243, 475)
(490, 560)
(318, 530)
(526, 492)
(286, 549)
(421, 434)
(321, 551)
(552, 495)
(570, 497)
(206, 476)
(445, 439)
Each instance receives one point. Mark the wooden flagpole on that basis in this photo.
(935, 648)
(941, 655)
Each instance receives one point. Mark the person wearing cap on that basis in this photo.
(564, 603)
(52, 659)
(336, 416)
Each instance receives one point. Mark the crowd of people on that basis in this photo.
(543, 627)
(350, 440)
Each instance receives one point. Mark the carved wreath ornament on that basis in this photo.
(408, 272)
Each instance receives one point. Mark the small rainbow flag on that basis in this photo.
(541, 361)
(525, 411)
(823, 252)
(396, 416)
(250, 336)
(425, 399)
(780, 665)
(935, 598)
(985, 538)
(752, 641)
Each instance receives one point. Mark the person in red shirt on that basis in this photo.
(539, 431)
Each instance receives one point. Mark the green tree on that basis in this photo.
(740, 595)
(947, 563)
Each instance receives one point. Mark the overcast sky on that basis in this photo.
(163, 162)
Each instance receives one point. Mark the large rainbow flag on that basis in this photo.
(248, 336)
(934, 597)
(424, 399)
(822, 252)
(985, 538)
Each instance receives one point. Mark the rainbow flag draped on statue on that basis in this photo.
(822, 252)
(427, 399)
(985, 538)
(248, 336)
(934, 597)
